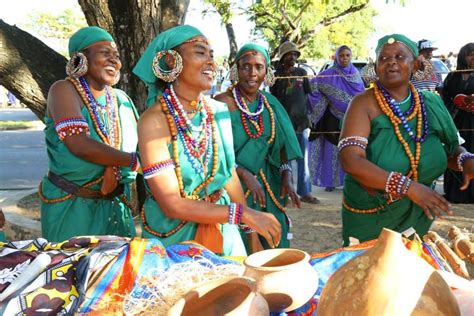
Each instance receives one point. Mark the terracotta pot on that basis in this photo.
(284, 277)
(227, 296)
(387, 280)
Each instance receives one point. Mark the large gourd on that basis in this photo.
(387, 280)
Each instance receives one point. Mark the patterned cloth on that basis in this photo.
(93, 274)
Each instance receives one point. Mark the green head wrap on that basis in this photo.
(87, 36)
(167, 40)
(390, 39)
(255, 47)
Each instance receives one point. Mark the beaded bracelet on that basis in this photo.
(397, 184)
(71, 126)
(358, 141)
(135, 164)
(462, 157)
(235, 213)
(246, 229)
(157, 168)
(285, 167)
(117, 173)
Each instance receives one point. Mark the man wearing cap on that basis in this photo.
(426, 77)
(292, 93)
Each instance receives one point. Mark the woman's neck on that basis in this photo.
(188, 98)
(249, 96)
(399, 93)
(97, 89)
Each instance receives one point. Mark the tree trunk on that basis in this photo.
(232, 43)
(28, 67)
(133, 24)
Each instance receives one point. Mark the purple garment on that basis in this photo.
(334, 88)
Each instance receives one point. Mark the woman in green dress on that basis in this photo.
(91, 140)
(264, 140)
(186, 149)
(395, 142)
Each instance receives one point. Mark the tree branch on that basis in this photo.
(331, 20)
(28, 67)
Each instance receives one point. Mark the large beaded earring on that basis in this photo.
(234, 73)
(116, 79)
(167, 75)
(269, 77)
(77, 66)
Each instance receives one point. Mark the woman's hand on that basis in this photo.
(429, 200)
(265, 224)
(468, 173)
(110, 182)
(288, 189)
(253, 185)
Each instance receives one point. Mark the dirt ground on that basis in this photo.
(317, 228)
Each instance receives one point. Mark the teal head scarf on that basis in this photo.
(255, 47)
(390, 39)
(164, 41)
(87, 36)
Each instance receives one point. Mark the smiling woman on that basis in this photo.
(186, 149)
(395, 142)
(91, 141)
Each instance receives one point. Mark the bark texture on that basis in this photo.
(28, 67)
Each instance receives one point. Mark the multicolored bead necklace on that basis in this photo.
(395, 107)
(214, 150)
(397, 121)
(107, 126)
(195, 146)
(255, 118)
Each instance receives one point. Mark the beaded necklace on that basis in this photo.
(106, 122)
(195, 146)
(395, 107)
(173, 128)
(255, 118)
(397, 121)
(214, 149)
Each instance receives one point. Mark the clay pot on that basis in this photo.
(284, 277)
(227, 296)
(387, 280)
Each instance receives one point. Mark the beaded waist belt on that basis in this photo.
(77, 190)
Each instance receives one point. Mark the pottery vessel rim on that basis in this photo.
(250, 260)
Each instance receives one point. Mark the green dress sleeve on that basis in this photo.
(441, 122)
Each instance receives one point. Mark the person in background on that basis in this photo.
(332, 90)
(292, 93)
(264, 140)
(186, 148)
(91, 141)
(426, 77)
(460, 86)
(395, 142)
(451, 61)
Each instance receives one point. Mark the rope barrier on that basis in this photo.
(342, 75)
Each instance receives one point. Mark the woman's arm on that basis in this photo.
(64, 103)
(153, 138)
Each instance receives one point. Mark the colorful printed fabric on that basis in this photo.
(55, 289)
(95, 274)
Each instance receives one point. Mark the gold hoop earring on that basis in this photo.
(167, 75)
(77, 66)
(269, 77)
(234, 73)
